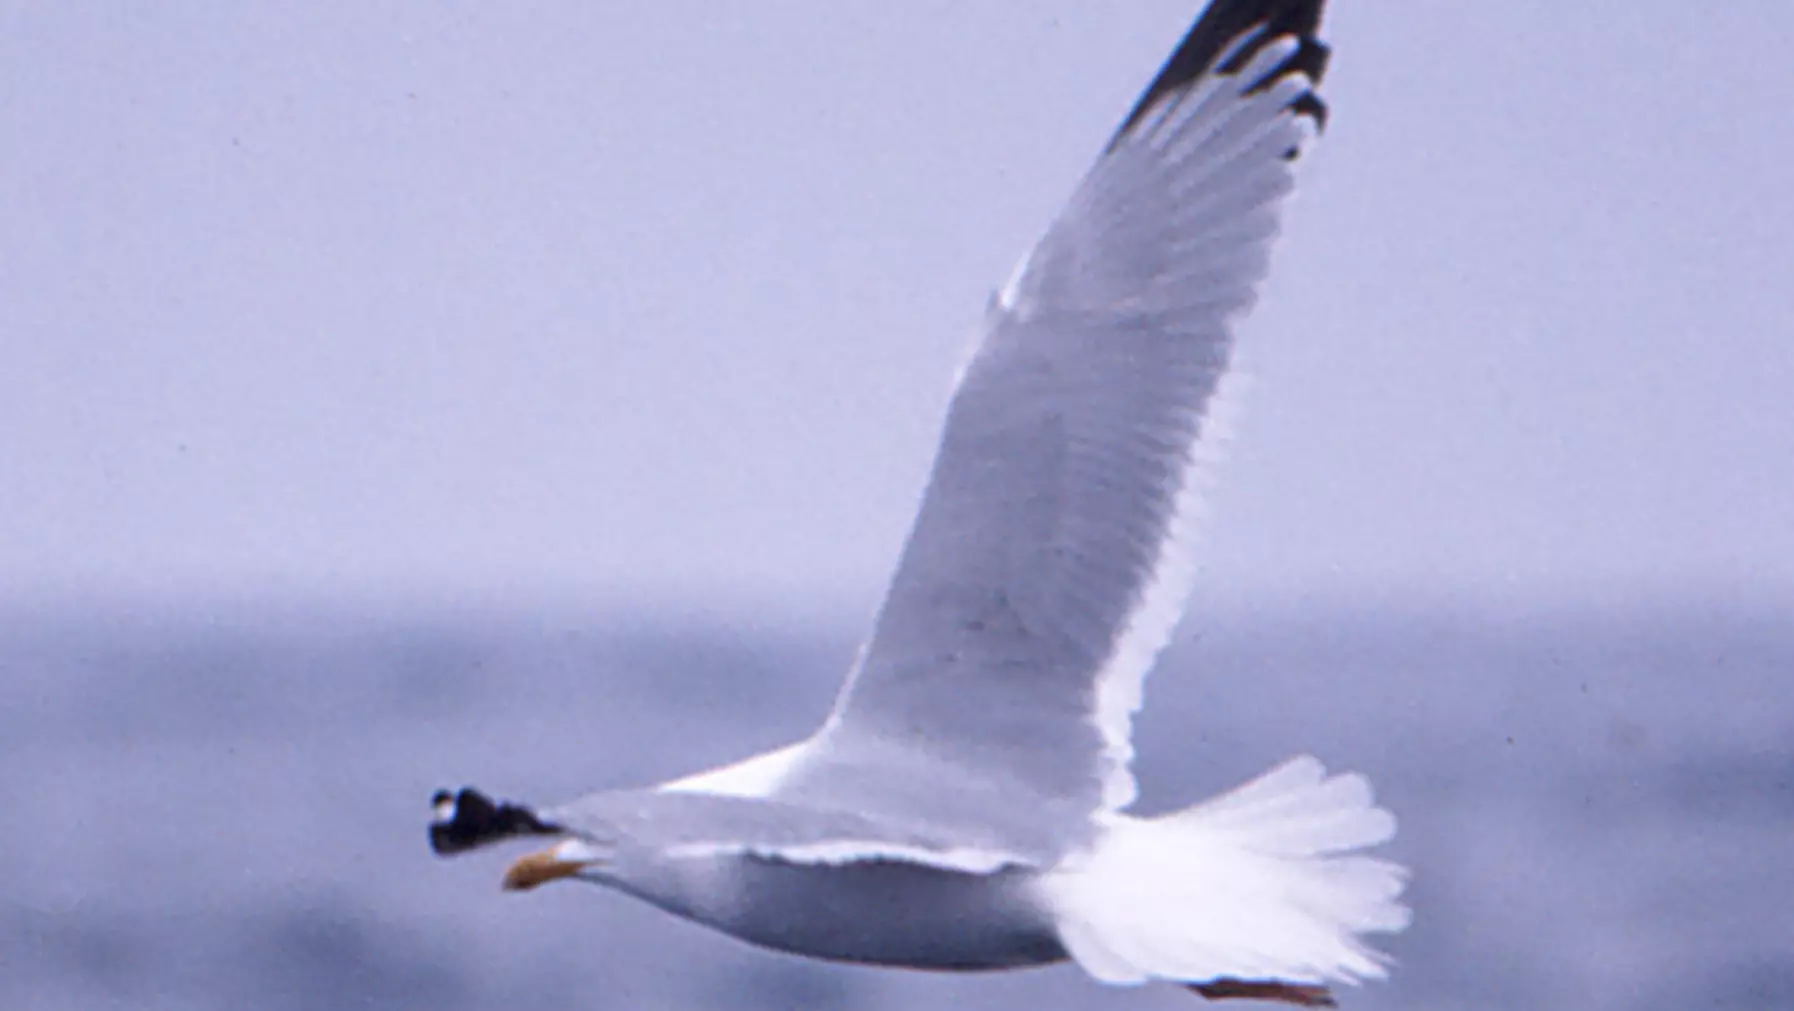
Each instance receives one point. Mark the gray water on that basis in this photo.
(227, 809)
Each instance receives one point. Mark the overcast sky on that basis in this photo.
(475, 300)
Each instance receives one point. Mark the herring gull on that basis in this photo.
(964, 805)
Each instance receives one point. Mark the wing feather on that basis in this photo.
(1049, 562)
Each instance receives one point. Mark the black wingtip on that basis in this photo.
(1222, 24)
(466, 819)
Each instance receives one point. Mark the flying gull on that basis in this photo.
(964, 806)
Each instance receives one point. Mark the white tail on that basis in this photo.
(1263, 882)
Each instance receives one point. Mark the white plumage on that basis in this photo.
(963, 805)
(1265, 882)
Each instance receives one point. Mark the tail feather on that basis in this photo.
(1263, 882)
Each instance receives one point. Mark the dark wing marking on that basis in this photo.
(1228, 22)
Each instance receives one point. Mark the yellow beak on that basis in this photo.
(539, 869)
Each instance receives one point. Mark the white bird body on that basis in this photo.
(963, 807)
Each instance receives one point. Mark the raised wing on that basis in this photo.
(1048, 564)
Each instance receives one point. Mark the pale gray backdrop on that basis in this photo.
(469, 299)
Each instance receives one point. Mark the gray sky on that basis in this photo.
(475, 300)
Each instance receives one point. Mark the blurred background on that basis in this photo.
(394, 397)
